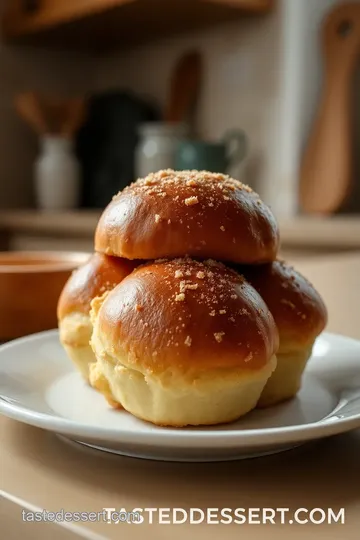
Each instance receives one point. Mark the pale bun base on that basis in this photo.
(99, 382)
(285, 382)
(82, 358)
(210, 399)
(75, 333)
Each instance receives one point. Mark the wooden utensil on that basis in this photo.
(184, 88)
(53, 110)
(74, 115)
(29, 107)
(51, 115)
(326, 172)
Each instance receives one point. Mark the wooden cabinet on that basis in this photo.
(101, 24)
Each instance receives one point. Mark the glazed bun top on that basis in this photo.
(188, 213)
(185, 315)
(98, 275)
(298, 309)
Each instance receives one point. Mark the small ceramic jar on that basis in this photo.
(57, 176)
(157, 147)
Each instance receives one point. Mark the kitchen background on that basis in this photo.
(254, 67)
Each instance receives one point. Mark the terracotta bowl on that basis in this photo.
(30, 285)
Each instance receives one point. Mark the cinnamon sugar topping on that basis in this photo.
(190, 201)
(159, 181)
(188, 341)
(219, 336)
(287, 303)
(248, 358)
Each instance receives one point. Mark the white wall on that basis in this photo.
(23, 69)
(27, 69)
(301, 82)
(261, 74)
(240, 88)
(313, 68)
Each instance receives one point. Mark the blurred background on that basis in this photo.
(94, 93)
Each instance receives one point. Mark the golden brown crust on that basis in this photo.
(298, 309)
(186, 315)
(99, 274)
(198, 214)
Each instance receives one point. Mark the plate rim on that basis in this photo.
(182, 437)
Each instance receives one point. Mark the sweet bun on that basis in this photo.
(188, 213)
(182, 342)
(300, 315)
(98, 275)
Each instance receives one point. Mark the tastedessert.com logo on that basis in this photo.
(195, 516)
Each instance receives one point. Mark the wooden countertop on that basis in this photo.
(48, 473)
(342, 232)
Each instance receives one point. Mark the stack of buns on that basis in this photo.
(184, 315)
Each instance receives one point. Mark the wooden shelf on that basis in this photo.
(104, 24)
(338, 232)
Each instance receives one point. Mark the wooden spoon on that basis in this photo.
(29, 107)
(184, 88)
(326, 173)
(74, 115)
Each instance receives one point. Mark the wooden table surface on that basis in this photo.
(46, 472)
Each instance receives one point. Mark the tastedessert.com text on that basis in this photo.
(195, 516)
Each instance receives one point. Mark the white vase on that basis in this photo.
(57, 175)
(157, 147)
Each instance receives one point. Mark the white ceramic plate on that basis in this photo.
(39, 386)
